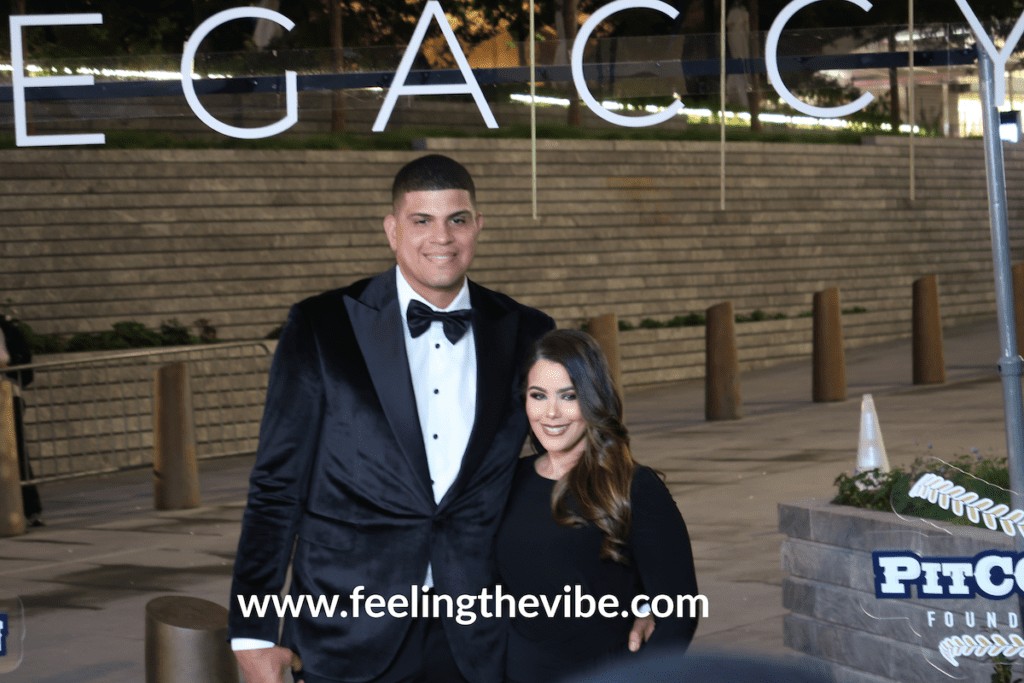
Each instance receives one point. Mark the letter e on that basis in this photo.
(19, 82)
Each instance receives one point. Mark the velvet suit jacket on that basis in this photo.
(341, 475)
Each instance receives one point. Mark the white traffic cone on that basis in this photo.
(871, 451)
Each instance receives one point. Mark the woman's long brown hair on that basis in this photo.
(600, 480)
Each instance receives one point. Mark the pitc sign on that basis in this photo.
(399, 87)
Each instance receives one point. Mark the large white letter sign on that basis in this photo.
(998, 58)
(577, 63)
(771, 53)
(188, 87)
(398, 86)
(19, 82)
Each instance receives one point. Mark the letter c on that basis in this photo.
(983, 576)
(577, 63)
(771, 53)
(291, 96)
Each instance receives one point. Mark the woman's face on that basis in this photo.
(553, 409)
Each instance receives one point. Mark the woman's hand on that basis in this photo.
(267, 665)
(643, 627)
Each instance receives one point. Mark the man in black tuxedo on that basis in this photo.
(390, 434)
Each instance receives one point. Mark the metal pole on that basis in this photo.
(721, 94)
(946, 132)
(1009, 86)
(911, 114)
(533, 111)
(1010, 363)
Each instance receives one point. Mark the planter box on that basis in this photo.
(834, 614)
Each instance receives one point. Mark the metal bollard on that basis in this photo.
(828, 356)
(186, 642)
(928, 360)
(605, 330)
(175, 471)
(12, 514)
(722, 400)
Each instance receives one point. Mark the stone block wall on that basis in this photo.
(89, 237)
(835, 616)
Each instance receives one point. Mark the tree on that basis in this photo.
(154, 27)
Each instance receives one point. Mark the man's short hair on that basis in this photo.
(433, 172)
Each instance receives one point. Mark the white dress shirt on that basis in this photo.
(444, 383)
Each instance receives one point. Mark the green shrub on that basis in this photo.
(40, 344)
(128, 334)
(96, 341)
(692, 320)
(889, 491)
(174, 333)
(136, 335)
(623, 326)
(207, 332)
(1002, 672)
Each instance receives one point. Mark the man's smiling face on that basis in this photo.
(433, 234)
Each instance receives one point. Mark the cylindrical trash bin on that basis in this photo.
(186, 642)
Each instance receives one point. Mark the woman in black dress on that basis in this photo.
(584, 519)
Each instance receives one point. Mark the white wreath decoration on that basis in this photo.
(980, 646)
(950, 496)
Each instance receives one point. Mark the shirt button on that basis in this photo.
(437, 391)
(435, 436)
(437, 346)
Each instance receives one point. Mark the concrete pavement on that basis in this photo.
(86, 577)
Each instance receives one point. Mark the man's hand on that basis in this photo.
(643, 627)
(265, 665)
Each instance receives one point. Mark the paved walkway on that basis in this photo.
(86, 577)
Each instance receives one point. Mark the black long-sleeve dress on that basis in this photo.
(537, 556)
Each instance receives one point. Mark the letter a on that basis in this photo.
(398, 86)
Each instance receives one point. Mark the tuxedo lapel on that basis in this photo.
(376, 320)
(494, 333)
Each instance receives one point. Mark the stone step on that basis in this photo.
(869, 179)
(751, 198)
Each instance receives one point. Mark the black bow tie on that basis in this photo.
(420, 316)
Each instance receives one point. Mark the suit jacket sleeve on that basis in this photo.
(19, 351)
(661, 547)
(289, 435)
